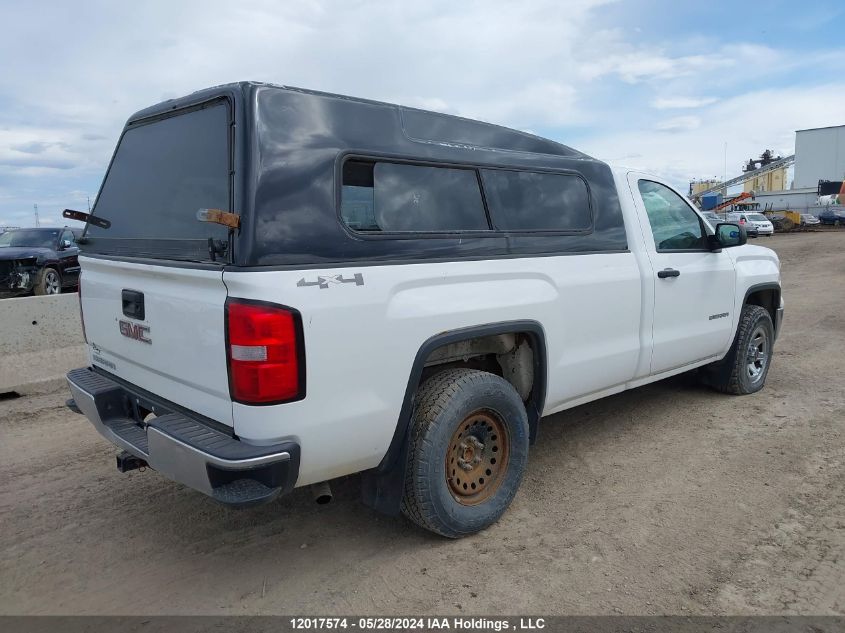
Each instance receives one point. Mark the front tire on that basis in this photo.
(467, 454)
(746, 365)
(48, 283)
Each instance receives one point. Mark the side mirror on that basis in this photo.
(729, 234)
(66, 244)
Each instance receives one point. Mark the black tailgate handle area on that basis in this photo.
(133, 304)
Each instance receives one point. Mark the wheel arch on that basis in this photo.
(382, 486)
(765, 295)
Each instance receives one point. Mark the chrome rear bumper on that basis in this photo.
(183, 448)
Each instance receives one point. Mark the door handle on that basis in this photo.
(668, 272)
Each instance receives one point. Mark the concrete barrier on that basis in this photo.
(40, 340)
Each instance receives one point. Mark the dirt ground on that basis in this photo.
(667, 499)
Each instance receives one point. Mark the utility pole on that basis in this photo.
(37, 222)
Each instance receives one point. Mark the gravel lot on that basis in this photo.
(667, 499)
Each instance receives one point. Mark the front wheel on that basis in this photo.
(467, 454)
(48, 282)
(746, 365)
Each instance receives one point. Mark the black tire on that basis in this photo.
(734, 374)
(49, 282)
(446, 406)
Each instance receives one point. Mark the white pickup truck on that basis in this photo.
(281, 287)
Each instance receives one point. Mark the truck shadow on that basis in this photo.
(166, 516)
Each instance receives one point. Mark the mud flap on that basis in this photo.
(382, 490)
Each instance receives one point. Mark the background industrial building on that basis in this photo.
(819, 156)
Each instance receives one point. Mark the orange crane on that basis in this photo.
(727, 203)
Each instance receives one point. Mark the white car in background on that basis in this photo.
(808, 219)
(753, 222)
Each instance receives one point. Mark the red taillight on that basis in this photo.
(265, 352)
(81, 315)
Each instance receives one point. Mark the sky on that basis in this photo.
(661, 86)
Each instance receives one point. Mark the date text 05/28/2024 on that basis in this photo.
(421, 623)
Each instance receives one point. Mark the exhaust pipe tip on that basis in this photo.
(322, 493)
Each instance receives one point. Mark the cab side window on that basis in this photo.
(674, 225)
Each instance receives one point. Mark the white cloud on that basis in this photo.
(559, 68)
(678, 124)
(635, 65)
(43, 151)
(512, 63)
(679, 103)
(697, 149)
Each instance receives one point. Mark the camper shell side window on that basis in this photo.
(387, 196)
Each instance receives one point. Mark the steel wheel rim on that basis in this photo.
(757, 355)
(477, 457)
(52, 282)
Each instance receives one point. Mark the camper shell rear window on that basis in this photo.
(163, 172)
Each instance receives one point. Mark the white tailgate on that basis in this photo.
(185, 362)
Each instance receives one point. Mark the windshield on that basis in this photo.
(162, 174)
(757, 217)
(31, 238)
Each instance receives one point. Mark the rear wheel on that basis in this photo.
(467, 454)
(746, 366)
(48, 282)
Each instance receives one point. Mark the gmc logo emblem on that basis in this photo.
(134, 331)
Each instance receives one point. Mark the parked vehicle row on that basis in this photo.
(756, 224)
(785, 221)
(751, 229)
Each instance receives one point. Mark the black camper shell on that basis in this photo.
(288, 152)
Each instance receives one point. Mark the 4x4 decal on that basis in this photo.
(323, 281)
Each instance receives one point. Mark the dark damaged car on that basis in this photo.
(43, 261)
